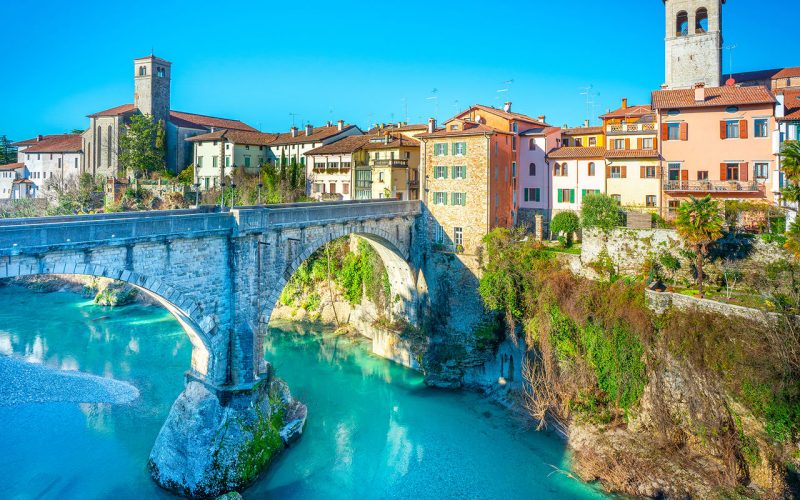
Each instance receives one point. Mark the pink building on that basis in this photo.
(533, 190)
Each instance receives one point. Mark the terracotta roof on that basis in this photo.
(788, 73)
(35, 140)
(582, 131)
(412, 126)
(115, 111)
(505, 114)
(67, 143)
(401, 142)
(22, 181)
(571, 152)
(235, 136)
(632, 153)
(753, 76)
(791, 103)
(715, 96)
(349, 144)
(182, 119)
(540, 131)
(11, 166)
(630, 111)
(317, 134)
(474, 129)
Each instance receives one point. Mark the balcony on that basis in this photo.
(631, 128)
(713, 187)
(390, 163)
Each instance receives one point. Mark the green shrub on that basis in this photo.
(600, 211)
(565, 224)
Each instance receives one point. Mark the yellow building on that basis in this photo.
(394, 163)
(582, 137)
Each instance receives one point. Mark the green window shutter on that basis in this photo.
(464, 171)
(536, 194)
(464, 199)
(453, 172)
(572, 196)
(444, 149)
(526, 195)
(560, 196)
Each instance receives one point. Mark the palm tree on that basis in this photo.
(699, 223)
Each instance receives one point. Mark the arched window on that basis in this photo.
(591, 169)
(98, 145)
(682, 24)
(142, 70)
(108, 145)
(532, 170)
(531, 144)
(701, 20)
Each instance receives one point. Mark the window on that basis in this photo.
(566, 196)
(617, 198)
(566, 142)
(702, 175)
(513, 142)
(578, 142)
(732, 172)
(560, 170)
(459, 148)
(532, 144)
(246, 161)
(585, 192)
(161, 72)
(142, 70)
(496, 200)
(438, 234)
(673, 205)
(616, 172)
(319, 187)
(439, 198)
(334, 165)
(761, 127)
(513, 169)
(673, 131)
(532, 169)
(333, 188)
(592, 142)
(247, 147)
(532, 194)
(650, 201)
(227, 146)
(458, 236)
(439, 149)
(215, 161)
(227, 161)
(674, 171)
(345, 188)
(701, 20)
(318, 165)
(381, 176)
(647, 143)
(199, 162)
(345, 165)
(650, 171)
(514, 127)
(458, 199)
(732, 129)
(454, 126)
(459, 172)
(591, 169)
(682, 24)
(619, 143)
(761, 170)
(440, 172)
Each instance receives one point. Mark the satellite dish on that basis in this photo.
(478, 118)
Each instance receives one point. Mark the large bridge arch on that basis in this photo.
(188, 313)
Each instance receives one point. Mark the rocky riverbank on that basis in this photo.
(104, 291)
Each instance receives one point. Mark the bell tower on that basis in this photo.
(151, 86)
(693, 43)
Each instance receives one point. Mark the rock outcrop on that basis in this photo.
(217, 443)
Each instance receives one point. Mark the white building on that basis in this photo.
(217, 154)
(576, 172)
(294, 144)
(53, 158)
(10, 175)
(330, 168)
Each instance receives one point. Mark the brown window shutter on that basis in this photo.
(642, 172)
(743, 129)
(608, 171)
(723, 130)
(555, 169)
(658, 172)
(684, 131)
(655, 144)
(744, 174)
(664, 131)
(684, 175)
(639, 143)
(624, 170)
(723, 171)
(627, 143)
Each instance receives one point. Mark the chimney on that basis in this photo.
(399, 124)
(293, 130)
(309, 130)
(39, 138)
(386, 138)
(586, 123)
(431, 125)
(340, 125)
(542, 118)
(624, 103)
(507, 106)
(699, 92)
(328, 123)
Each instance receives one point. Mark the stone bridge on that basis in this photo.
(219, 273)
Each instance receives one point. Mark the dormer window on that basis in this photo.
(454, 126)
(142, 70)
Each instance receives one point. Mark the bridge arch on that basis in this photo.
(188, 313)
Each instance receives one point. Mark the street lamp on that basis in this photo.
(233, 193)
(222, 199)
(196, 187)
(260, 185)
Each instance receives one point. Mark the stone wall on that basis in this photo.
(661, 302)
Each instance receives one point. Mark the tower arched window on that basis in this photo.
(142, 70)
(682, 24)
(701, 20)
(108, 145)
(161, 72)
(98, 146)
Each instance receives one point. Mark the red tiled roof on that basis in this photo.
(115, 111)
(571, 152)
(30, 142)
(236, 137)
(11, 166)
(629, 111)
(67, 143)
(349, 144)
(401, 142)
(791, 103)
(474, 129)
(632, 153)
(317, 134)
(540, 131)
(582, 131)
(23, 181)
(182, 119)
(505, 114)
(788, 73)
(714, 97)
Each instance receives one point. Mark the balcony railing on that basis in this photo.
(390, 163)
(631, 128)
(713, 186)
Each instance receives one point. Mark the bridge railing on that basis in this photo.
(17, 221)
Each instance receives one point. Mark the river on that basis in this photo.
(374, 430)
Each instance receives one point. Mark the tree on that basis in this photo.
(790, 164)
(600, 211)
(8, 153)
(186, 177)
(699, 223)
(139, 150)
(564, 225)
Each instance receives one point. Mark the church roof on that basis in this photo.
(181, 119)
(115, 111)
(67, 143)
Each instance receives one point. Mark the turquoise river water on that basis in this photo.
(374, 429)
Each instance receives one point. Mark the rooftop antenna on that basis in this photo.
(435, 100)
(730, 49)
(292, 115)
(405, 107)
(455, 106)
(507, 88)
(590, 95)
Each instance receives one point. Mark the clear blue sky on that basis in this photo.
(355, 61)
